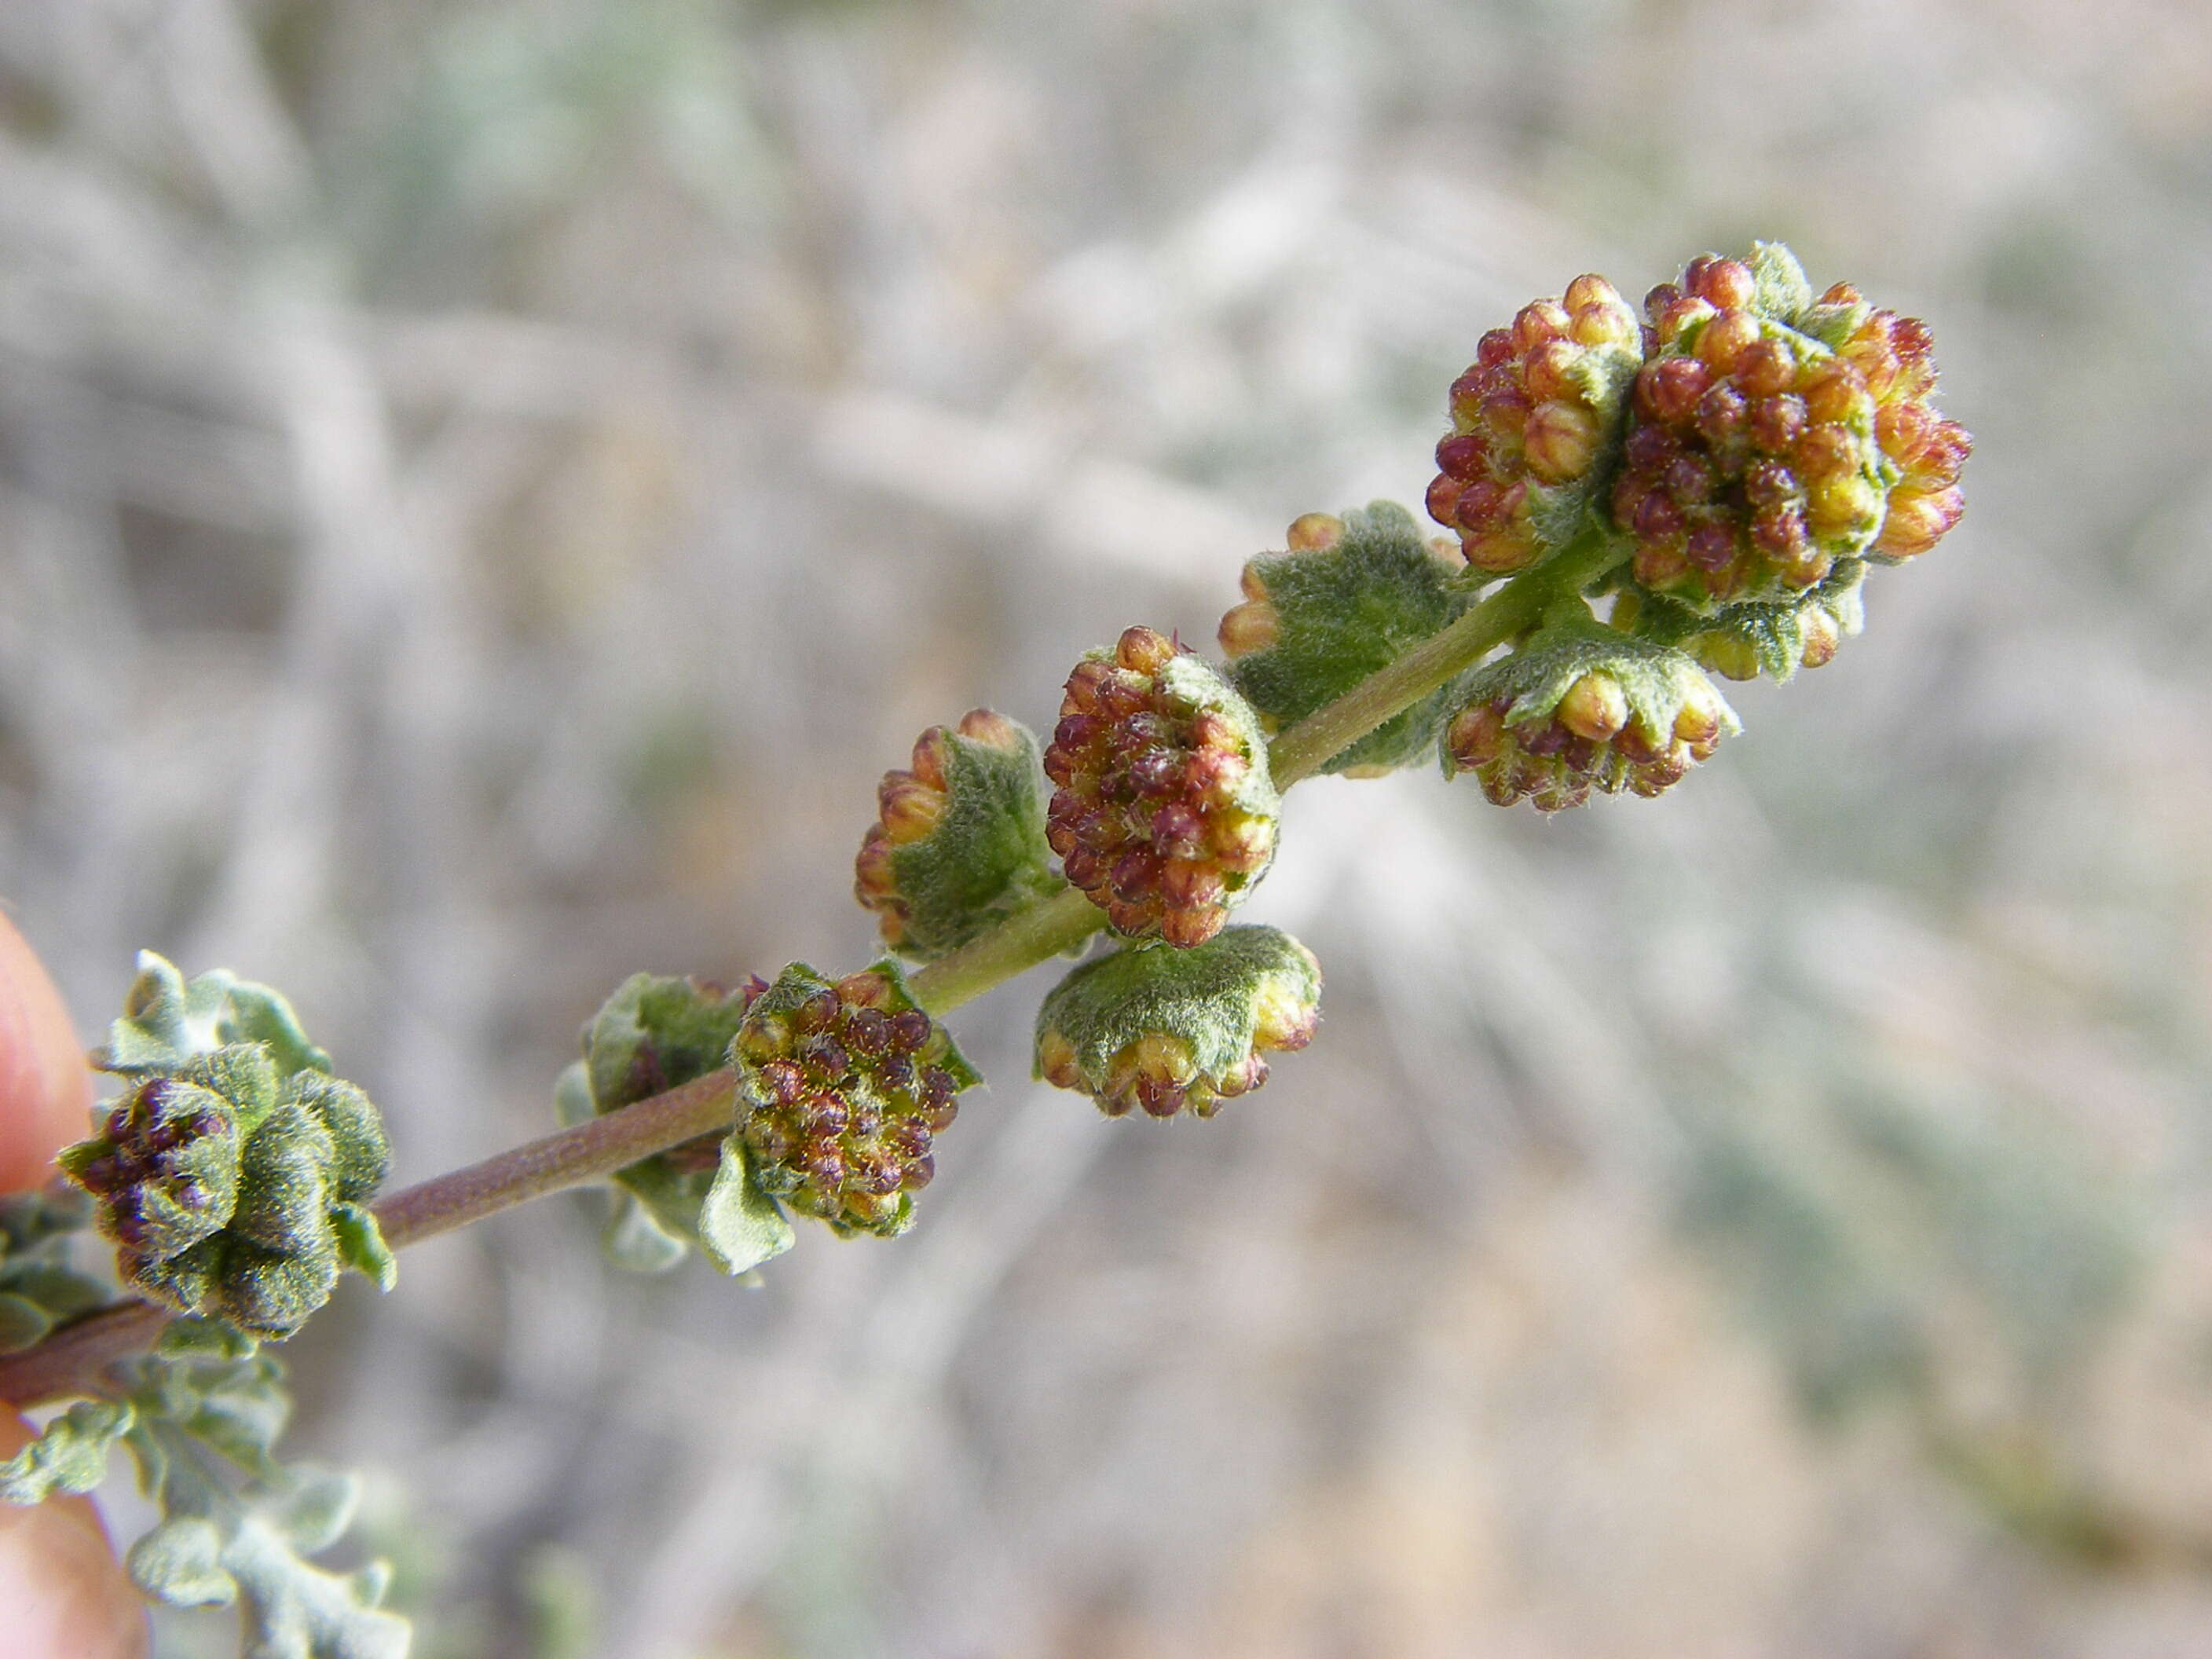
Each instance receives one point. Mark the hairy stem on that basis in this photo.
(73, 1360)
(1432, 665)
(1042, 931)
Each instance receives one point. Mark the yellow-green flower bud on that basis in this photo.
(1165, 1031)
(1578, 707)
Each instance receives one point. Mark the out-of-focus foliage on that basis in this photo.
(486, 490)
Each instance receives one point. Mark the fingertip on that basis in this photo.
(45, 1088)
(66, 1596)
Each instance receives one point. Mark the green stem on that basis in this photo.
(73, 1359)
(1436, 662)
(1044, 930)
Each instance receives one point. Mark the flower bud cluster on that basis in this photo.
(1581, 707)
(1769, 437)
(165, 1168)
(1532, 417)
(958, 841)
(235, 1193)
(1164, 1030)
(843, 1088)
(1348, 597)
(1164, 812)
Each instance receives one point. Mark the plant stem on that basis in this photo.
(587, 1152)
(74, 1358)
(1434, 663)
(1028, 936)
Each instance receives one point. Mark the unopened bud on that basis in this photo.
(1164, 815)
(1581, 707)
(959, 842)
(1162, 1031)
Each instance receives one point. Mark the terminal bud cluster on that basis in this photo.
(233, 1176)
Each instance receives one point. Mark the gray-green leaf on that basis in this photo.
(180, 1562)
(741, 1225)
(70, 1456)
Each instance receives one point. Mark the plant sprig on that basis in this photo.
(1699, 491)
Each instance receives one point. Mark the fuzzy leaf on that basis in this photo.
(259, 1014)
(1245, 990)
(985, 857)
(361, 1152)
(242, 1074)
(740, 1225)
(167, 1021)
(297, 1611)
(315, 1514)
(1341, 613)
(180, 1562)
(192, 1338)
(62, 1292)
(283, 1201)
(271, 1292)
(361, 1246)
(1779, 288)
(1768, 637)
(634, 1241)
(22, 1322)
(39, 1289)
(653, 1034)
(28, 1220)
(70, 1456)
(237, 1523)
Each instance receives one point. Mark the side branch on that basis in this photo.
(72, 1361)
(590, 1151)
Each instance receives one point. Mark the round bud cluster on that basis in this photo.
(1758, 455)
(1582, 712)
(957, 839)
(164, 1168)
(233, 1191)
(1532, 413)
(1166, 1031)
(848, 1083)
(1164, 811)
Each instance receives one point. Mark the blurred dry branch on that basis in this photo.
(485, 488)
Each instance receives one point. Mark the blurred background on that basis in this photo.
(485, 488)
